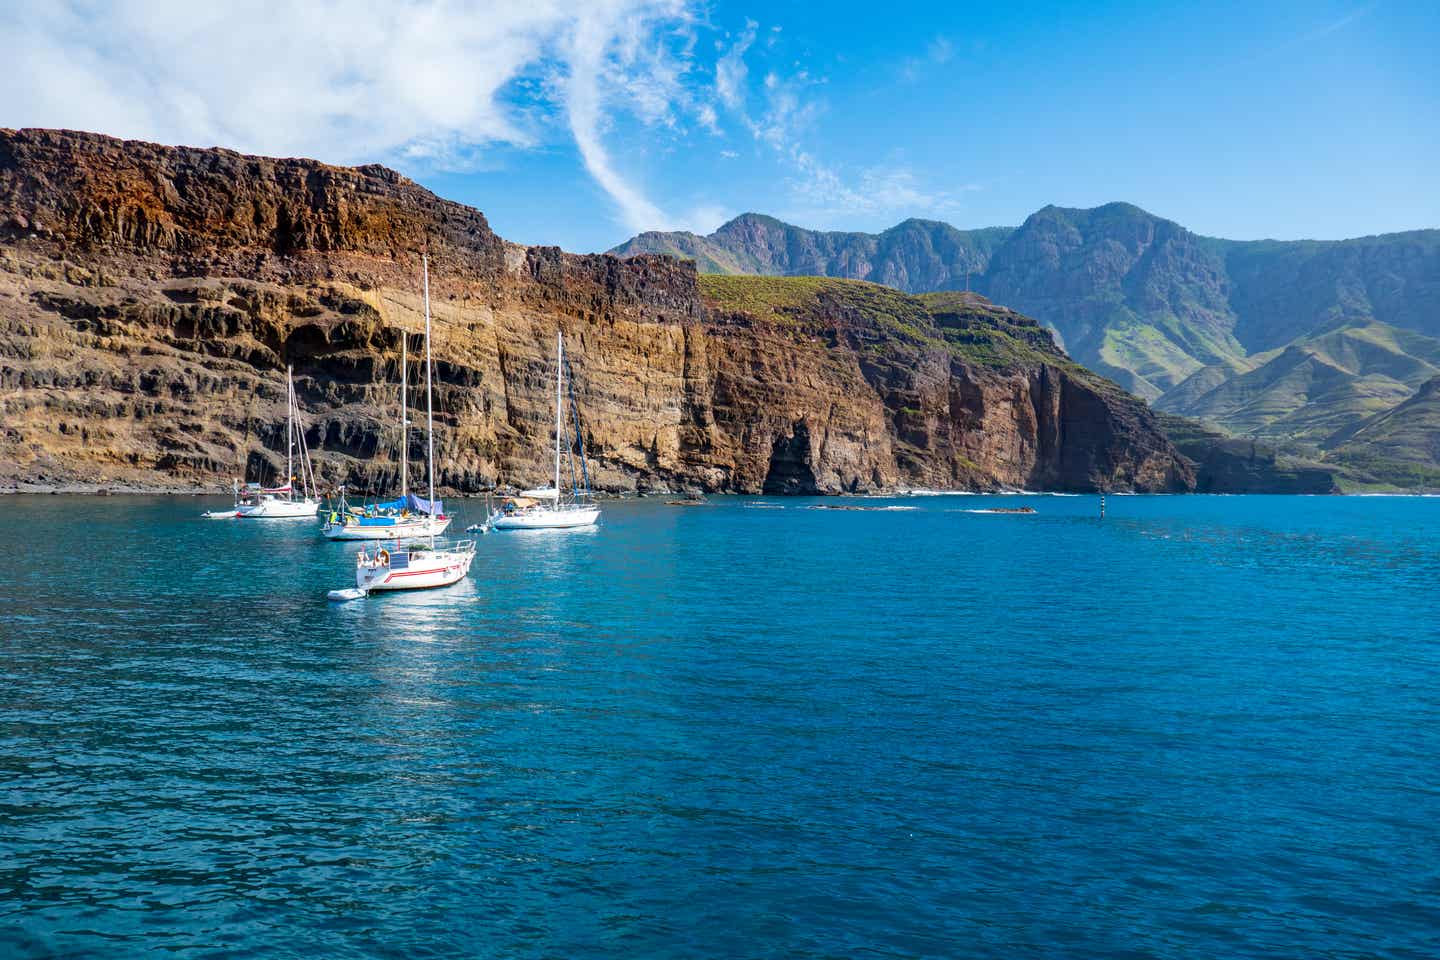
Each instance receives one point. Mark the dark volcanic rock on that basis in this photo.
(151, 298)
(1239, 465)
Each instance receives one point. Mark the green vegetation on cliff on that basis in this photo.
(809, 303)
(1315, 387)
(1400, 446)
(1290, 341)
(966, 325)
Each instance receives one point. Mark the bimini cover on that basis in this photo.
(433, 507)
(412, 502)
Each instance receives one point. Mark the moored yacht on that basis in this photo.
(414, 564)
(550, 508)
(406, 515)
(256, 502)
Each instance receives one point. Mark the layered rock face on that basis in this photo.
(152, 297)
(1168, 314)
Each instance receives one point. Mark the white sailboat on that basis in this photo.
(405, 516)
(529, 511)
(414, 564)
(254, 502)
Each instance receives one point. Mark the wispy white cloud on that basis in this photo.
(708, 118)
(788, 114)
(731, 71)
(938, 51)
(1339, 23)
(425, 81)
(705, 218)
(590, 60)
(884, 190)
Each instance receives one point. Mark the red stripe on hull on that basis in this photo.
(419, 573)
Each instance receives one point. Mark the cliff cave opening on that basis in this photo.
(790, 470)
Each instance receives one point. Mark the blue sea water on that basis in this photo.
(1202, 727)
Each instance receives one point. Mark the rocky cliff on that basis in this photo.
(1167, 313)
(151, 298)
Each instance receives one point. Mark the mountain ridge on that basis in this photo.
(1133, 295)
(1399, 446)
(1198, 325)
(152, 297)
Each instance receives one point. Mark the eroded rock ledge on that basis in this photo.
(150, 298)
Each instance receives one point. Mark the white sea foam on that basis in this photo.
(992, 511)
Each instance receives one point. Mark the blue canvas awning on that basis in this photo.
(412, 503)
(433, 507)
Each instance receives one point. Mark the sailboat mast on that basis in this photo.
(429, 410)
(404, 416)
(290, 428)
(559, 378)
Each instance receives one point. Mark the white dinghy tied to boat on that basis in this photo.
(414, 564)
(575, 508)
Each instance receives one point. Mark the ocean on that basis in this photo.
(1200, 727)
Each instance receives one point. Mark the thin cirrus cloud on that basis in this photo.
(432, 84)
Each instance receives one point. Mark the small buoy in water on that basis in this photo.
(353, 593)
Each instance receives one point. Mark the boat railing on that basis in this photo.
(420, 544)
(449, 543)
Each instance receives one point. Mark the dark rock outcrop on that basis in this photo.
(1225, 464)
(151, 298)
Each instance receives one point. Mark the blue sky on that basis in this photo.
(580, 124)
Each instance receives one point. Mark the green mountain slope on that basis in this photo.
(1138, 297)
(1202, 326)
(1312, 387)
(1400, 446)
(1284, 290)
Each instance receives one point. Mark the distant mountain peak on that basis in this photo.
(749, 219)
(1169, 314)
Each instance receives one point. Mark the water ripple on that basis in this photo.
(1200, 727)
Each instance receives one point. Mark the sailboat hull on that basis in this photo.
(406, 528)
(439, 568)
(545, 518)
(275, 509)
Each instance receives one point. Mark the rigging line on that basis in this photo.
(307, 471)
(245, 441)
(579, 435)
(447, 406)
